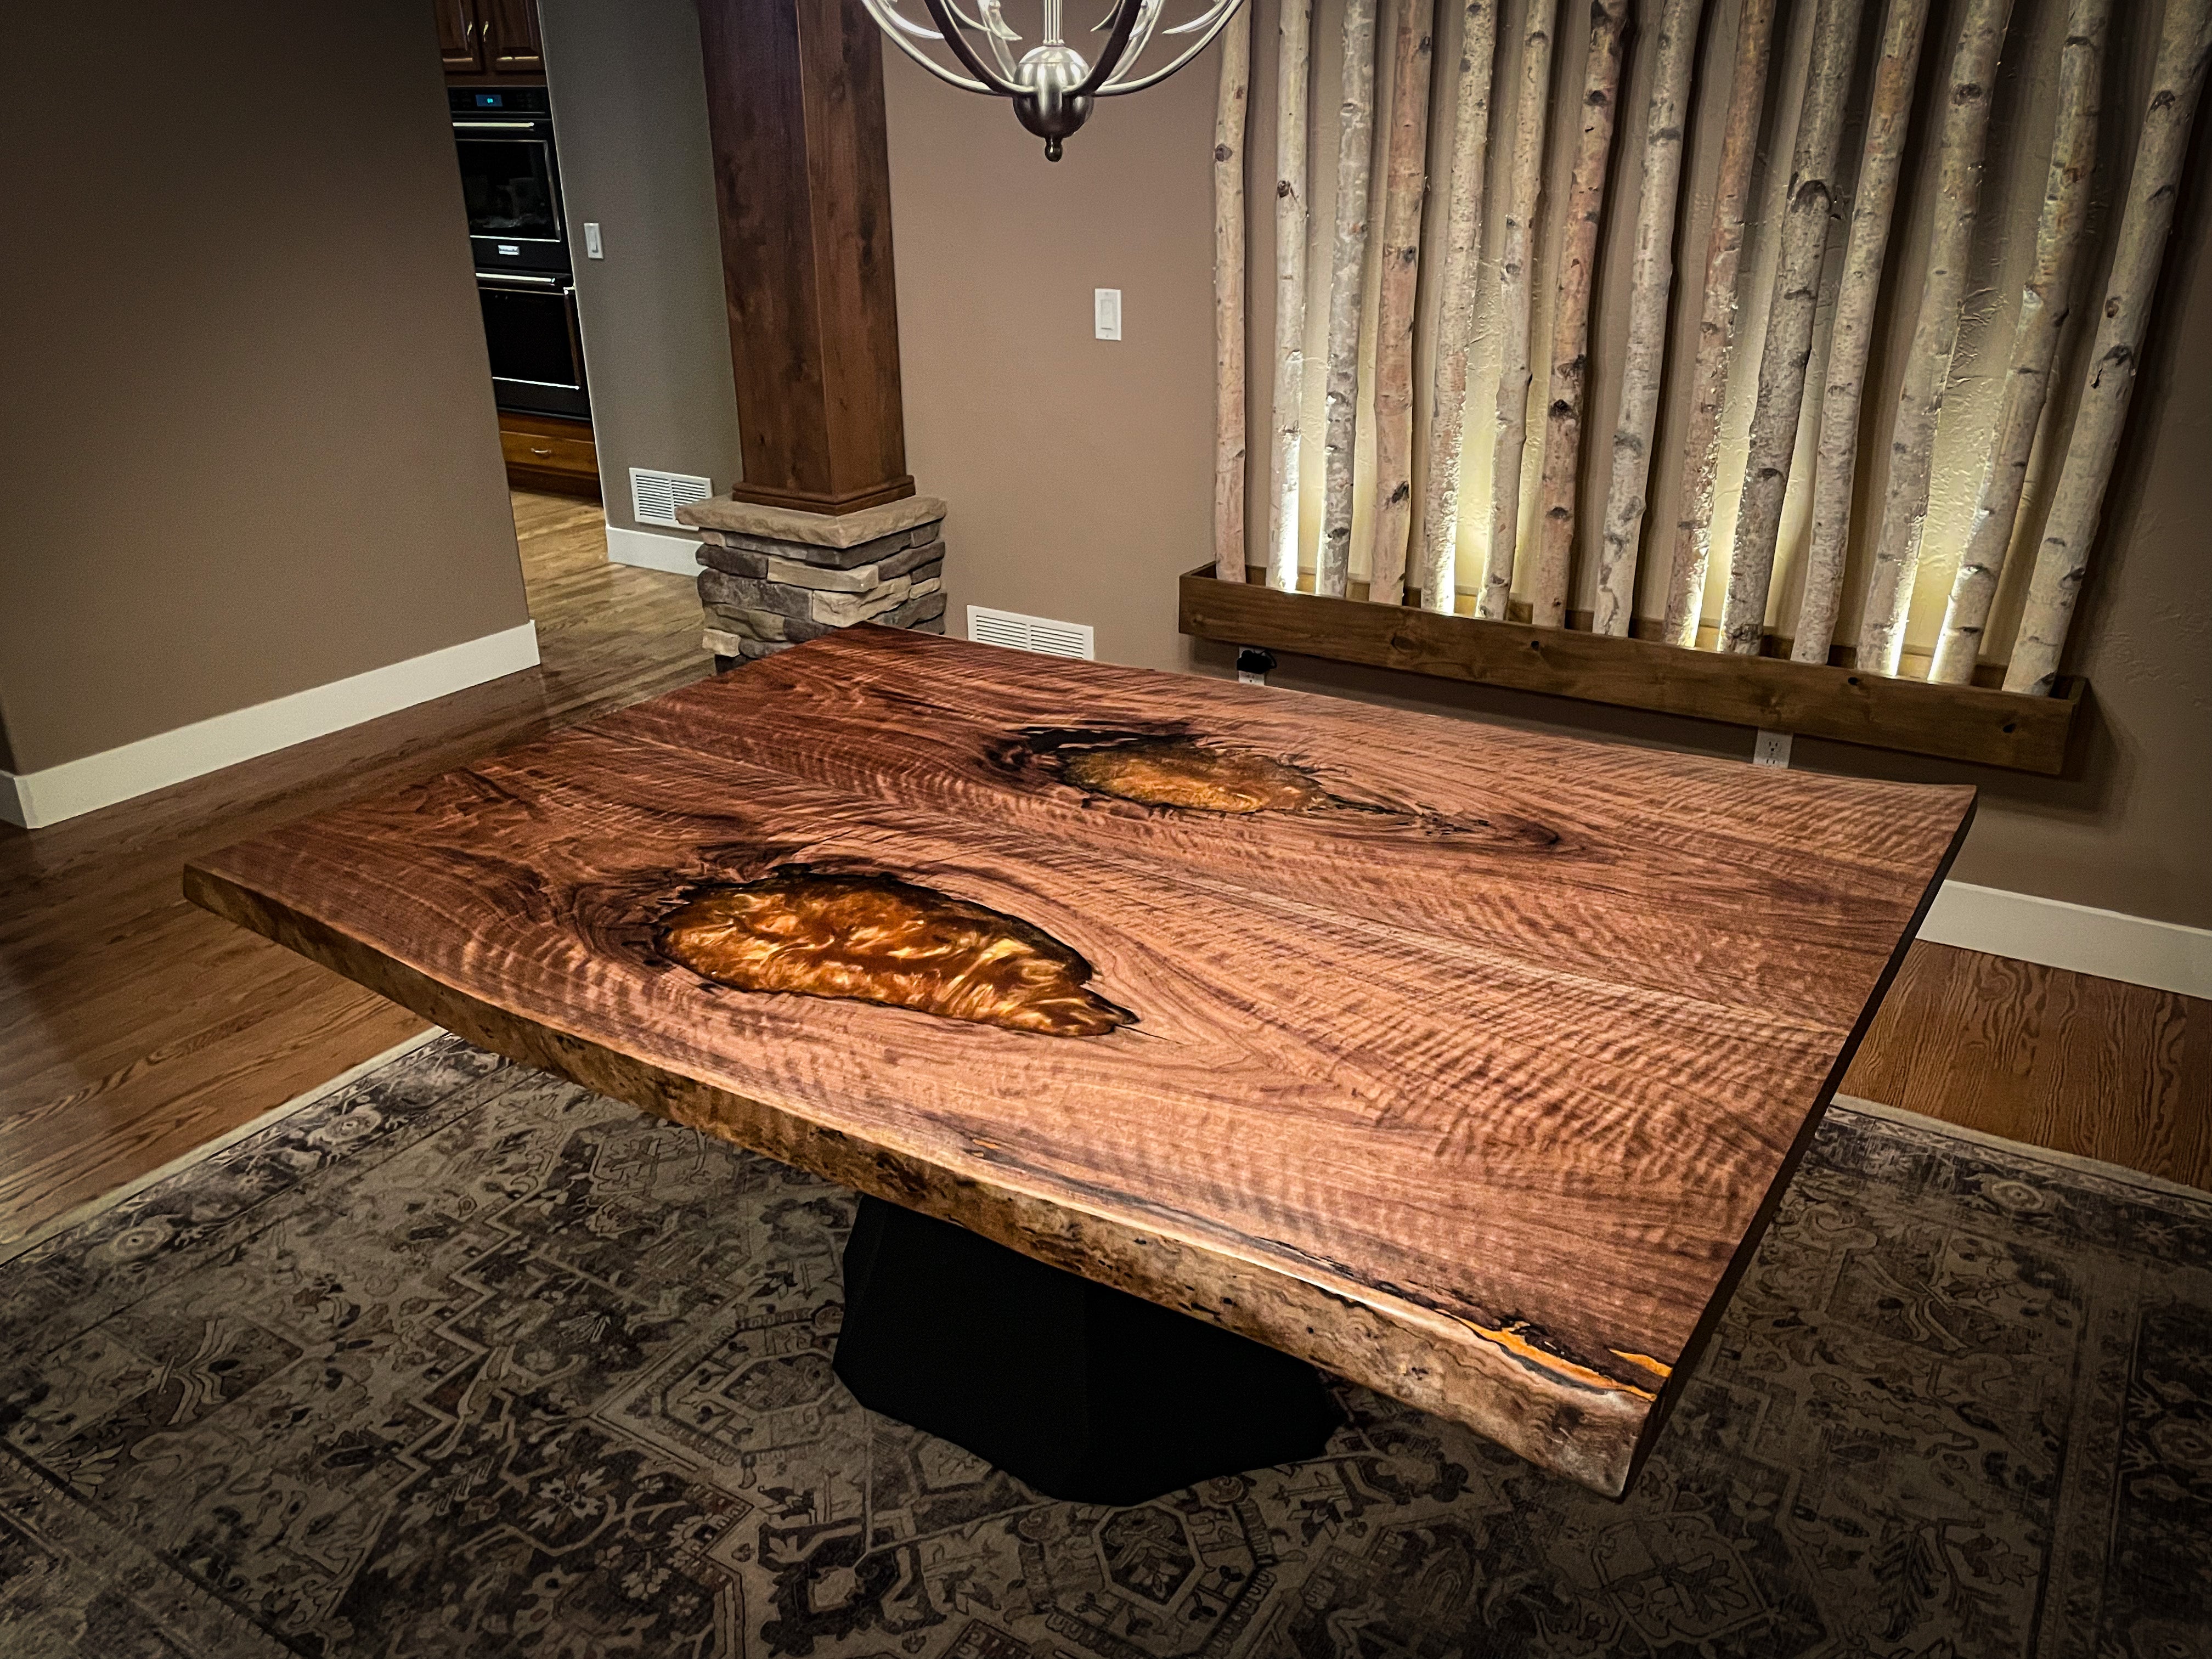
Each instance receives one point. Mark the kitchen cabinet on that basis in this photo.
(544, 451)
(459, 48)
(509, 33)
(486, 41)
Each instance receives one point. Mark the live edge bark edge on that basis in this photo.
(1592, 1435)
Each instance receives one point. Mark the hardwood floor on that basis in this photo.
(134, 1027)
(2087, 1066)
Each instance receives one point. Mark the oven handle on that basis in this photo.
(517, 276)
(503, 126)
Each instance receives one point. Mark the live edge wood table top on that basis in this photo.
(1464, 1062)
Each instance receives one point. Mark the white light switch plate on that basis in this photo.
(1106, 309)
(592, 249)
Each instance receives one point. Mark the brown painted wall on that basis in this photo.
(249, 442)
(629, 113)
(1077, 471)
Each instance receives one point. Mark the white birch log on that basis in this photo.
(1439, 572)
(1889, 121)
(1789, 341)
(2061, 561)
(1229, 298)
(1709, 377)
(1570, 381)
(1406, 177)
(1651, 279)
(1934, 337)
(1293, 63)
(1346, 278)
(1511, 435)
(2045, 304)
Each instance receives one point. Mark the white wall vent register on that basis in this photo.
(1011, 628)
(654, 496)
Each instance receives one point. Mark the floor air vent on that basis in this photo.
(654, 496)
(1011, 628)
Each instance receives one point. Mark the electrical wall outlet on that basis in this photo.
(1770, 749)
(1106, 313)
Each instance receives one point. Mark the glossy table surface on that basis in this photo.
(1465, 1062)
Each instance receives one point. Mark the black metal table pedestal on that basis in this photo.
(1082, 1391)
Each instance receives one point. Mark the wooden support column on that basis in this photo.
(802, 188)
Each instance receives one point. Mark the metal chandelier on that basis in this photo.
(1052, 86)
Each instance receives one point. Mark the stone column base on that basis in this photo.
(775, 576)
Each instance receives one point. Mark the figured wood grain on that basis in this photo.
(1523, 868)
(1958, 722)
(1512, 1188)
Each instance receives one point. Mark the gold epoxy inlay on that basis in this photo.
(877, 939)
(1509, 1338)
(1176, 772)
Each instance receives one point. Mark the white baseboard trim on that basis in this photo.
(34, 799)
(649, 550)
(2164, 954)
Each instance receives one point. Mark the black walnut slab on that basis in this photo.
(1467, 1063)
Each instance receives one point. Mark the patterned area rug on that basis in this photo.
(460, 1358)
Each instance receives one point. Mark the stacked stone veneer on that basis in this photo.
(775, 578)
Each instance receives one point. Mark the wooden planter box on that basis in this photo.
(1957, 722)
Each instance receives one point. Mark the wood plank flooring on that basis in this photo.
(2086, 1066)
(134, 1027)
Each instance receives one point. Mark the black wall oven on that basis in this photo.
(511, 183)
(536, 349)
(510, 180)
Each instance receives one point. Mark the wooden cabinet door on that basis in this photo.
(460, 41)
(510, 35)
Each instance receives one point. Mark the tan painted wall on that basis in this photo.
(249, 443)
(630, 114)
(1077, 470)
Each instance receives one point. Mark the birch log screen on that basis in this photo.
(1347, 277)
(2043, 305)
(1406, 177)
(1709, 377)
(1293, 61)
(1889, 120)
(1495, 601)
(1229, 298)
(1438, 575)
(1650, 281)
(1570, 378)
(1789, 341)
(2061, 561)
(1935, 336)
